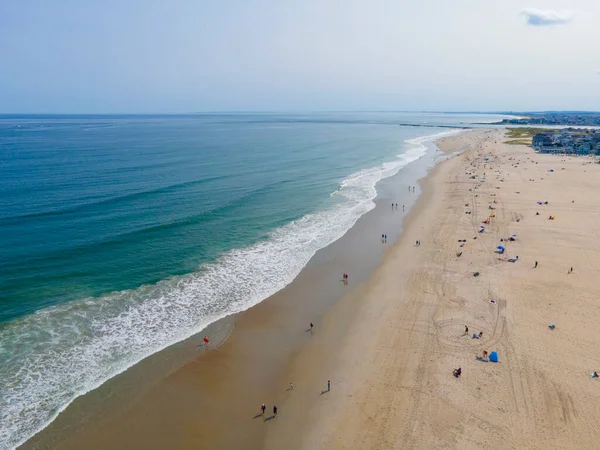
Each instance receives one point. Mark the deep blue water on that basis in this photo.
(120, 235)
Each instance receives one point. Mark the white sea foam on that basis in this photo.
(59, 353)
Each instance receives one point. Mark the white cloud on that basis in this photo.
(547, 18)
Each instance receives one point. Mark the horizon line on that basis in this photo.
(513, 112)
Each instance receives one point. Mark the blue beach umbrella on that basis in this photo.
(500, 247)
(494, 357)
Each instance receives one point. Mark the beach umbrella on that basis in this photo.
(500, 247)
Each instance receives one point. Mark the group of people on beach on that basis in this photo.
(263, 407)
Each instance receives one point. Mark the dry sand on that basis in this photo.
(391, 372)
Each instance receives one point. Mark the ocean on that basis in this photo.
(122, 235)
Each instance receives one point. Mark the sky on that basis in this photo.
(182, 56)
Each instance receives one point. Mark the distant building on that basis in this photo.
(568, 141)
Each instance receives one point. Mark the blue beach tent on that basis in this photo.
(500, 248)
(494, 357)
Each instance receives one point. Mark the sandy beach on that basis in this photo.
(390, 343)
(392, 376)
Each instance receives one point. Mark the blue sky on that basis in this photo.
(67, 56)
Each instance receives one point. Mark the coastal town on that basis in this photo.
(570, 141)
(569, 118)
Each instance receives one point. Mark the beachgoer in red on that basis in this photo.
(263, 407)
(206, 341)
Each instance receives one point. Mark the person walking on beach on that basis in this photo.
(291, 386)
(263, 407)
(206, 341)
(535, 267)
(413, 189)
(328, 385)
(466, 330)
(311, 326)
(274, 410)
(402, 208)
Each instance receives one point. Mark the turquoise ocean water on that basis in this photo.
(121, 235)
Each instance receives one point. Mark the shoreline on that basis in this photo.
(390, 344)
(159, 366)
(404, 334)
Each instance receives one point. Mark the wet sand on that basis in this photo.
(191, 397)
